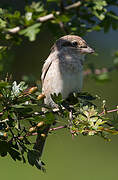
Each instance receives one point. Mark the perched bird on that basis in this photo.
(63, 71)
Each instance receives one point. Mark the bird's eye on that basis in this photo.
(74, 43)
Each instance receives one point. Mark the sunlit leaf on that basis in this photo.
(17, 89)
(28, 16)
(31, 31)
(2, 23)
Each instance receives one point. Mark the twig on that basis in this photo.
(4, 120)
(110, 111)
(113, 110)
(47, 17)
(51, 129)
(58, 128)
(61, 24)
(51, 16)
(14, 30)
(74, 5)
(65, 126)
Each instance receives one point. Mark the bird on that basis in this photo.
(63, 70)
(62, 73)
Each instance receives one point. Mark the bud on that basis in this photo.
(1, 96)
(5, 135)
(33, 90)
(41, 96)
(32, 129)
(7, 128)
(40, 124)
(43, 135)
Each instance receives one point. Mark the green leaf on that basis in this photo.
(115, 61)
(31, 31)
(113, 15)
(37, 7)
(2, 23)
(14, 154)
(116, 54)
(28, 16)
(96, 28)
(17, 106)
(63, 18)
(3, 148)
(99, 4)
(3, 84)
(56, 98)
(49, 117)
(103, 77)
(99, 15)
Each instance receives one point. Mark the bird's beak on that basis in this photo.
(87, 50)
(90, 50)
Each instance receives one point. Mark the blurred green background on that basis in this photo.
(67, 158)
(83, 157)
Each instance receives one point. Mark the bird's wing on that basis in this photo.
(45, 69)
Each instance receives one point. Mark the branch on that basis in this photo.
(58, 128)
(47, 17)
(65, 126)
(51, 129)
(74, 5)
(110, 111)
(14, 30)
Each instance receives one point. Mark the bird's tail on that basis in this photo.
(39, 146)
(41, 138)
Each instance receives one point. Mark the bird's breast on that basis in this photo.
(68, 77)
(64, 76)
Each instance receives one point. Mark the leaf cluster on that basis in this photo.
(21, 108)
(66, 18)
(88, 16)
(22, 116)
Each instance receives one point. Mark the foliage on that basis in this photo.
(21, 117)
(78, 18)
(60, 17)
(22, 114)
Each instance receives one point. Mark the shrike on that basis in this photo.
(62, 73)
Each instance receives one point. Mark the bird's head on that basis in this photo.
(74, 43)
